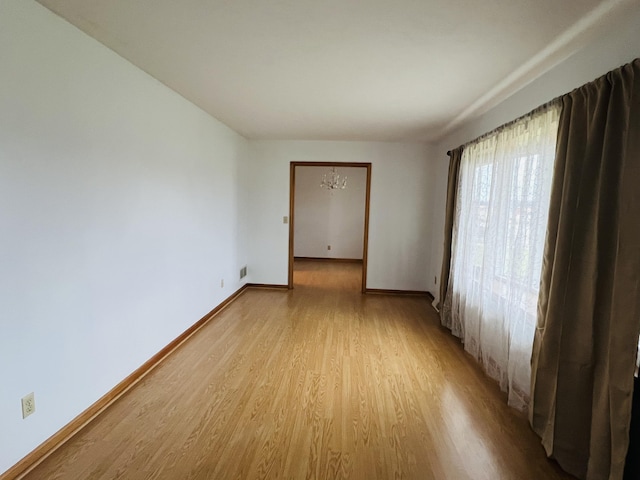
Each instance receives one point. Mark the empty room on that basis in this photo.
(319, 240)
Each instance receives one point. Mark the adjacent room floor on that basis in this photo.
(319, 382)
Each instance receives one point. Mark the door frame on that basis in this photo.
(292, 194)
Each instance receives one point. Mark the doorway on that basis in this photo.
(364, 218)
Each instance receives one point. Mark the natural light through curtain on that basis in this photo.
(498, 239)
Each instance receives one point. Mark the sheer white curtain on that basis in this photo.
(498, 239)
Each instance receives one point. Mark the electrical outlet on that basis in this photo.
(243, 272)
(328, 247)
(435, 280)
(28, 405)
(222, 283)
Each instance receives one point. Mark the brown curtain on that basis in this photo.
(585, 345)
(452, 186)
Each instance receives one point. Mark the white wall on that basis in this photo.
(399, 223)
(620, 45)
(119, 217)
(332, 218)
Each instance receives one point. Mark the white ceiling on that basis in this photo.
(391, 70)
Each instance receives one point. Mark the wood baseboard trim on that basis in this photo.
(416, 293)
(326, 259)
(267, 286)
(46, 448)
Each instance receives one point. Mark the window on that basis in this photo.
(498, 240)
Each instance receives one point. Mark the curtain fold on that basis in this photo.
(588, 324)
(452, 185)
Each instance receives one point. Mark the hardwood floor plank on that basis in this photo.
(316, 383)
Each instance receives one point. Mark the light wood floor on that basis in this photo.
(316, 383)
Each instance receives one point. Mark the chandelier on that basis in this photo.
(332, 180)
